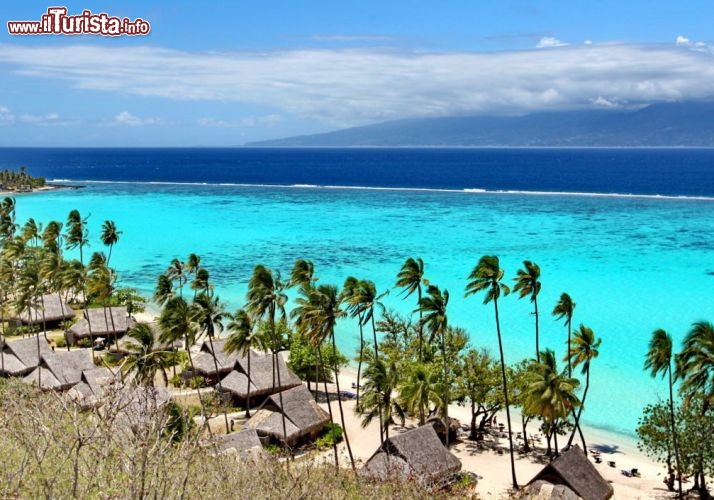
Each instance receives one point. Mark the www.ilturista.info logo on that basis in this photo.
(57, 22)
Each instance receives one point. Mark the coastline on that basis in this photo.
(43, 189)
(490, 461)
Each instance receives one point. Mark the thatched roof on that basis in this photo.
(237, 384)
(300, 407)
(224, 358)
(55, 309)
(245, 443)
(574, 470)
(26, 351)
(93, 386)
(101, 324)
(415, 454)
(270, 423)
(204, 364)
(44, 380)
(303, 415)
(542, 490)
(67, 366)
(261, 373)
(12, 366)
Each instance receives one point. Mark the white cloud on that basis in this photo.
(6, 116)
(355, 86)
(126, 118)
(352, 38)
(588, 42)
(683, 40)
(602, 102)
(248, 121)
(550, 41)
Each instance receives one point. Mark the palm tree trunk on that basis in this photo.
(44, 323)
(570, 365)
(535, 304)
(505, 396)
(39, 360)
(580, 411)
(555, 440)
(339, 402)
(114, 328)
(447, 422)
(276, 368)
(247, 401)
(198, 390)
(220, 387)
(674, 432)
(361, 354)
(421, 327)
(376, 357)
(526, 446)
(329, 404)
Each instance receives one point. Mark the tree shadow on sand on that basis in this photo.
(606, 448)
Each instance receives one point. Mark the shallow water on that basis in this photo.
(630, 264)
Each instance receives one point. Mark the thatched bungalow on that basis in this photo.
(246, 444)
(61, 370)
(93, 386)
(104, 323)
(55, 312)
(19, 357)
(305, 420)
(416, 454)
(573, 470)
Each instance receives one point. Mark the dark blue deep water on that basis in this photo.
(675, 172)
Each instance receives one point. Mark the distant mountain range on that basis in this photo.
(672, 124)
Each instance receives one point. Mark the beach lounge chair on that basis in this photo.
(626, 473)
(611, 463)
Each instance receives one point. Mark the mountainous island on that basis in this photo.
(689, 124)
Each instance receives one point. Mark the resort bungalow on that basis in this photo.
(51, 309)
(305, 420)
(60, 370)
(101, 322)
(245, 444)
(19, 357)
(93, 386)
(415, 454)
(573, 471)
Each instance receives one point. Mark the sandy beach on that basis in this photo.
(493, 467)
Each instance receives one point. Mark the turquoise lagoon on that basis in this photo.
(632, 264)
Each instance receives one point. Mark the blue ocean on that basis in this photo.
(627, 233)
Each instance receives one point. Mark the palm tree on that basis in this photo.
(242, 338)
(266, 297)
(583, 351)
(302, 274)
(110, 236)
(551, 394)
(486, 276)
(144, 358)
(695, 367)
(411, 277)
(177, 272)
(176, 322)
(658, 360)
(695, 364)
(437, 322)
(350, 297)
(209, 314)
(381, 379)
(420, 387)
(528, 285)
(100, 285)
(317, 314)
(164, 289)
(78, 237)
(564, 309)
(31, 288)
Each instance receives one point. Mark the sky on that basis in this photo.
(226, 73)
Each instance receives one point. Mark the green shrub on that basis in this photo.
(61, 342)
(197, 382)
(176, 380)
(331, 435)
(87, 342)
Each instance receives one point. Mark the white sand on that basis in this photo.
(495, 469)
